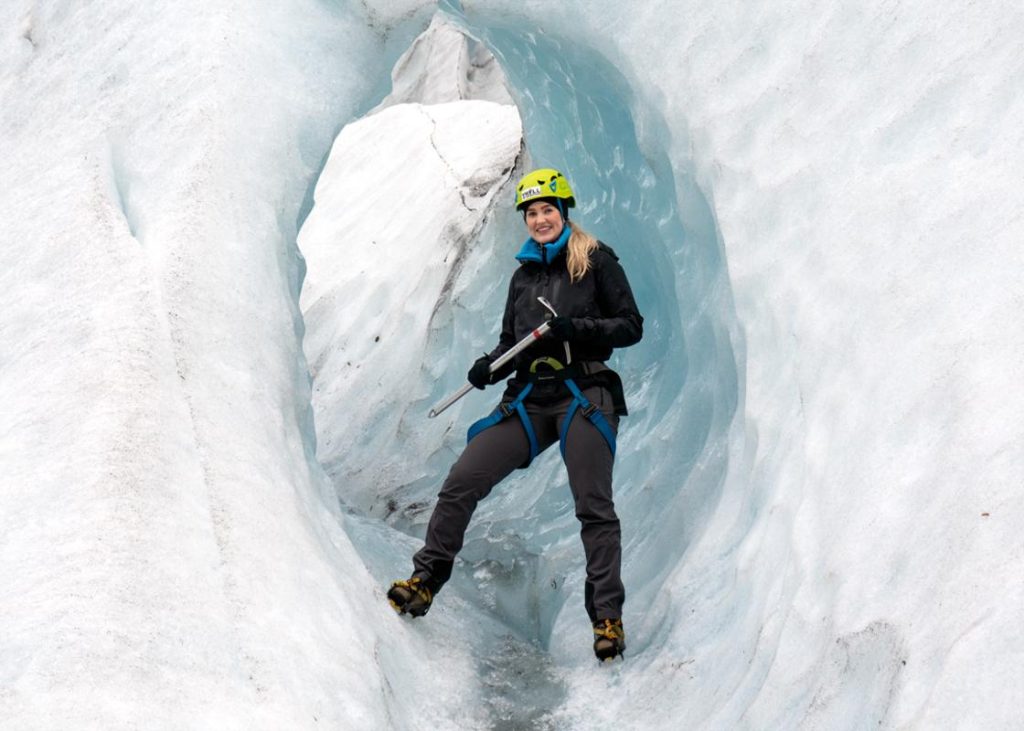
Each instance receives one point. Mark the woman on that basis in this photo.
(561, 391)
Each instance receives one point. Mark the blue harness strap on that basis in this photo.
(579, 403)
(594, 416)
(503, 411)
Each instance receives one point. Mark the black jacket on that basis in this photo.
(603, 311)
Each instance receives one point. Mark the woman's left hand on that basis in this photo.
(562, 327)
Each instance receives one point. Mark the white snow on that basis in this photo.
(445, 65)
(819, 206)
(169, 558)
(398, 209)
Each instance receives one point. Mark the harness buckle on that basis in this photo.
(547, 368)
(551, 367)
(588, 410)
(506, 409)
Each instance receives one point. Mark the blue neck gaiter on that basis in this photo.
(544, 253)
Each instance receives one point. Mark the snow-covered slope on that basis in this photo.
(819, 206)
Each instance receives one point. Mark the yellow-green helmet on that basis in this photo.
(543, 183)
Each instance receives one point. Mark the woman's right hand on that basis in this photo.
(480, 374)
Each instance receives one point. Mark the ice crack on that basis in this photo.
(443, 159)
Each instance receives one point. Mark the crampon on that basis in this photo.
(410, 597)
(609, 639)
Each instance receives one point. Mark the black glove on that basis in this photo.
(562, 327)
(480, 374)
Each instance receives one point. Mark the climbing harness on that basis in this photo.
(580, 403)
(502, 412)
(592, 414)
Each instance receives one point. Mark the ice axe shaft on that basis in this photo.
(515, 350)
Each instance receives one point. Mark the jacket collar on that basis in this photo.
(546, 253)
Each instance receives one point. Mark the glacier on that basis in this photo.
(246, 247)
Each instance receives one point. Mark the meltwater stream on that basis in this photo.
(518, 584)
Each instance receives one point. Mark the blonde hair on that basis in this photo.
(581, 245)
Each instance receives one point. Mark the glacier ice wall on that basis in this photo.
(754, 584)
(864, 189)
(170, 549)
(401, 292)
(170, 552)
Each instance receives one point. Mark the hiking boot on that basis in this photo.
(410, 597)
(609, 639)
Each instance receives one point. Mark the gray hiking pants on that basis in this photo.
(494, 453)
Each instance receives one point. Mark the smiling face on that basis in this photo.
(544, 222)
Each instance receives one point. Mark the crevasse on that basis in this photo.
(522, 566)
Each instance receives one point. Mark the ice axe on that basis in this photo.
(515, 350)
(568, 353)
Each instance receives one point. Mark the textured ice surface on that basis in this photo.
(397, 307)
(398, 210)
(864, 175)
(170, 554)
(819, 205)
(444, 65)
